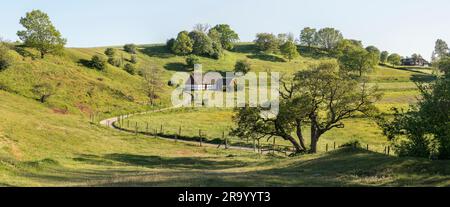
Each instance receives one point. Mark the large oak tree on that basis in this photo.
(320, 98)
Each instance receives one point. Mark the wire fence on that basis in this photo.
(225, 141)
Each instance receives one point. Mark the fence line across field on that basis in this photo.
(225, 141)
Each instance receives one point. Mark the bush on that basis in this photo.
(110, 52)
(115, 61)
(351, 144)
(43, 91)
(170, 43)
(98, 62)
(130, 48)
(134, 59)
(242, 66)
(130, 68)
(5, 58)
(192, 60)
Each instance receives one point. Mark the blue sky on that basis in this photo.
(398, 26)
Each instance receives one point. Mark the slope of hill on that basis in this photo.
(54, 144)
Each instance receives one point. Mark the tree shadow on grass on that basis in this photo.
(245, 48)
(178, 67)
(159, 51)
(424, 78)
(344, 167)
(313, 52)
(85, 63)
(266, 57)
(161, 162)
(22, 50)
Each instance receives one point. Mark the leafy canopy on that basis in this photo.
(40, 33)
(228, 37)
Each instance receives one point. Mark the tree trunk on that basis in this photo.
(315, 134)
(314, 141)
(297, 146)
(42, 55)
(300, 134)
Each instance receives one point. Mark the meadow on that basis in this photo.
(57, 144)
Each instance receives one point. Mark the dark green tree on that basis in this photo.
(110, 52)
(384, 56)
(192, 60)
(228, 37)
(289, 50)
(267, 43)
(202, 43)
(307, 36)
(242, 66)
(424, 129)
(130, 48)
(5, 57)
(130, 68)
(183, 45)
(394, 59)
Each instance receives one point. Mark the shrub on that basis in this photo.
(5, 58)
(134, 59)
(98, 62)
(192, 60)
(115, 61)
(170, 43)
(242, 66)
(110, 52)
(130, 68)
(43, 91)
(351, 144)
(130, 48)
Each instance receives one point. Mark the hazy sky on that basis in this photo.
(398, 26)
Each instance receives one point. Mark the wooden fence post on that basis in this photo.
(225, 139)
(136, 128)
(334, 145)
(179, 131)
(367, 147)
(146, 129)
(273, 145)
(200, 135)
(161, 129)
(388, 150)
(326, 148)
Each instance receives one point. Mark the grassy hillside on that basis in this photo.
(41, 148)
(54, 144)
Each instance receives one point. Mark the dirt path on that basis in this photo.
(110, 123)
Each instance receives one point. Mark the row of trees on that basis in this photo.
(204, 41)
(332, 40)
(281, 44)
(325, 38)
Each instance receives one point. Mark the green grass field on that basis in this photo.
(54, 144)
